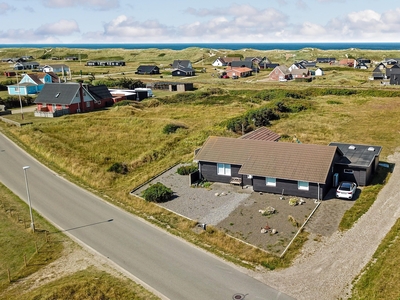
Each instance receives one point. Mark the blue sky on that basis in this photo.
(178, 21)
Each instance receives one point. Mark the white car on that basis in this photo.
(346, 189)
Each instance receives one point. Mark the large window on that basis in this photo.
(270, 181)
(303, 185)
(224, 169)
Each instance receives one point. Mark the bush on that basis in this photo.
(186, 170)
(157, 193)
(124, 103)
(172, 128)
(119, 168)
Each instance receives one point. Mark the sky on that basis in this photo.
(193, 21)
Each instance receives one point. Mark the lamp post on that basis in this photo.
(29, 199)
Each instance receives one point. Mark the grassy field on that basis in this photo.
(83, 147)
(23, 253)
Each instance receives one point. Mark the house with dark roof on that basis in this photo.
(59, 99)
(26, 65)
(326, 60)
(295, 169)
(32, 83)
(182, 68)
(379, 73)
(358, 163)
(147, 69)
(393, 74)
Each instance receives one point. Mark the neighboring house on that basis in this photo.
(391, 61)
(361, 66)
(26, 65)
(148, 69)
(242, 64)
(105, 63)
(326, 60)
(59, 99)
(296, 66)
(171, 86)
(358, 164)
(308, 64)
(280, 73)
(183, 72)
(378, 73)
(32, 83)
(177, 64)
(349, 62)
(239, 72)
(301, 170)
(318, 72)
(363, 60)
(393, 74)
(256, 60)
(269, 66)
(300, 73)
(219, 62)
(229, 60)
(262, 134)
(182, 68)
(56, 68)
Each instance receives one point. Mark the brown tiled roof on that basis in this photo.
(263, 134)
(292, 161)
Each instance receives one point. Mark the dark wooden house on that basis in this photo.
(148, 70)
(301, 170)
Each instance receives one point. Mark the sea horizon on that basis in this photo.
(225, 46)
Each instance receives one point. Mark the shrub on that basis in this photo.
(157, 193)
(172, 128)
(186, 170)
(123, 103)
(119, 168)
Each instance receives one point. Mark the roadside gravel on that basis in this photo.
(326, 268)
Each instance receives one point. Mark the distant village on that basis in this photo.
(56, 98)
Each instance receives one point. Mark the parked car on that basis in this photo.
(346, 190)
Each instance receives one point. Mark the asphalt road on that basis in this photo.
(165, 264)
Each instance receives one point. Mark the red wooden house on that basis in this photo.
(59, 99)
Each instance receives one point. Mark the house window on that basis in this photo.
(348, 171)
(270, 181)
(224, 169)
(87, 104)
(303, 185)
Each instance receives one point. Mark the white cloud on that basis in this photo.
(311, 30)
(29, 37)
(95, 4)
(5, 8)
(62, 27)
(126, 27)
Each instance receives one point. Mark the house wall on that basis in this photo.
(288, 187)
(208, 171)
(359, 175)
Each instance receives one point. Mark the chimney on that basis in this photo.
(82, 102)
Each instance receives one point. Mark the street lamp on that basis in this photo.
(29, 199)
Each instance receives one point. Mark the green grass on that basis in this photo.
(380, 278)
(18, 241)
(87, 284)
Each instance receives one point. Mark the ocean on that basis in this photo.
(227, 46)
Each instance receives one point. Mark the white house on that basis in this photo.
(219, 62)
(319, 72)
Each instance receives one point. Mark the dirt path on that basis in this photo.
(326, 269)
